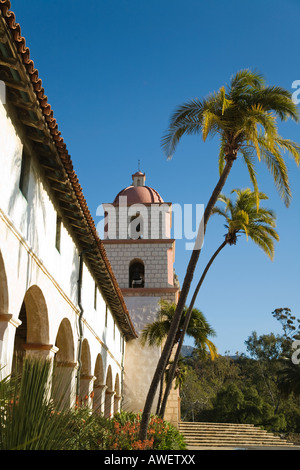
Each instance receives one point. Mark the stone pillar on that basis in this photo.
(45, 352)
(117, 403)
(99, 398)
(86, 390)
(109, 404)
(8, 326)
(40, 351)
(64, 384)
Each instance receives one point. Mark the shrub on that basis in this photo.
(29, 420)
(125, 427)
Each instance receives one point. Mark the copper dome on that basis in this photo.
(139, 195)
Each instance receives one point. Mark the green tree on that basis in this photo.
(198, 328)
(289, 376)
(233, 405)
(289, 379)
(244, 116)
(204, 379)
(291, 328)
(242, 217)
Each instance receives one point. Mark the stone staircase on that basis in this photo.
(226, 435)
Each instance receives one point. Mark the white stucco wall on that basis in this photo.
(140, 361)
(30, 258)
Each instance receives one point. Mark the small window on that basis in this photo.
(106, 315)
(58, 233)
(24, 175)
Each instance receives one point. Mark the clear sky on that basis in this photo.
(114, 71)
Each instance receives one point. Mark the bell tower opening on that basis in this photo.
(136, 274)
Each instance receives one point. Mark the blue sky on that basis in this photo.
(114, 71)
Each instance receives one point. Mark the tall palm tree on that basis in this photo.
(244, 116)
(242, 217)
(198, 328)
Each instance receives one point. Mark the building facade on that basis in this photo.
(65, 294)
(59, 298)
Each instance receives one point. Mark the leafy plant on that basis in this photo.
(28, 418)
(125, 427)
(31, 420)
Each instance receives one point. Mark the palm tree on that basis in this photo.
(180, 373)
(198, 328)
(289, 379)
(242, 217)
(244, 116)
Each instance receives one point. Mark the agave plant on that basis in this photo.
(29, 419)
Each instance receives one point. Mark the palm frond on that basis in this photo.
(243, 216)
(278, 169)
(154, 333)
(249, 160)
(244, 114)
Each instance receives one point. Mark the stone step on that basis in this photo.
(232, 436)
(221, 432)
(228, 435)
(236, 439)
(216, 425)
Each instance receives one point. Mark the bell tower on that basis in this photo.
(142, 253)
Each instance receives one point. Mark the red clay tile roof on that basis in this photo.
(61, 147)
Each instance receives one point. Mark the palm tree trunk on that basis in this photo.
(181, 303)
(184, 329)
(160, 395)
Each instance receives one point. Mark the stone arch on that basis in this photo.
(86, 379)
(65, 343)
(37, 316)
(99, 386)
(3, 288)
(136, 273)
(85, 358)
(99, 371)
(33, 333)
(7, 328)
(109, 393)
(117, 395)
(109, 379)
(64, 378)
